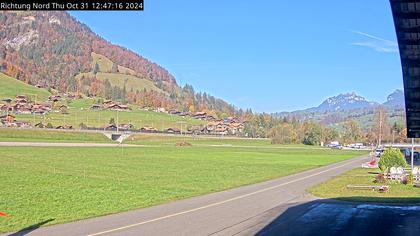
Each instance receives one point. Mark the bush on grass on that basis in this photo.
(183, 144)
(380, 178)
(408, 179)
(392, 157)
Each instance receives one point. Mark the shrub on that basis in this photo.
(280, 140)
(380, 178)
(392, 157)
(183, 144)
(408, 180)
(82, 126)
(49, 126)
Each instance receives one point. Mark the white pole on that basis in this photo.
(412, 153)
(380, 128)
(117, 122)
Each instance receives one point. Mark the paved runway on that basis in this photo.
(245, 210)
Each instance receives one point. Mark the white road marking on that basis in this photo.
(221, 202)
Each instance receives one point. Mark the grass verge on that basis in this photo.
(39, 135)
(337, 188)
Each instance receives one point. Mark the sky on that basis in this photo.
(267, 55)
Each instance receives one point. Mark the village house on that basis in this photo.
(64, 127)
(22, 124)
(7, 118)
(7, 100)
(21, 101)
(108, 102)
(63, 109)
(221, 129)
(3, 107)
(18, 124)
(73, 96)
(210, 118)
(211, 127)
(125, 127)
(224, 127)
(197, 129)
(118, 107)
(95, 107)
(40, 125)
(235, 128)
(41, 109)
(173, 131)
(174, 112)
(231, 120)
(200, 115)
(148, 129)
(54, 98)
(184, 114)
(110, 127)
(21, 97)
(23, 109)
(160, 109)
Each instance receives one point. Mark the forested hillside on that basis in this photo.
(49, 49)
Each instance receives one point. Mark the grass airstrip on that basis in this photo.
(66, 184)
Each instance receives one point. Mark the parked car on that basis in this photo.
(379, 152)
(407, 154)
(336, 147)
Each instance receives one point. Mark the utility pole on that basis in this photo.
(412, 153)
(393, 137)
(380, 128)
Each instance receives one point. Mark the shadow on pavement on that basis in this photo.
(341, 217)
(30, 228)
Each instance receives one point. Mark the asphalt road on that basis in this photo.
(332, 217)
(245, 210)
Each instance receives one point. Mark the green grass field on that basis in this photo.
(79, 112)
(66, 184)
(157, 139)
(39, 135)
(10, 87)
(336, 188)
(124, 75)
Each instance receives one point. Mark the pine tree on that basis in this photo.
(114, 68)
(96, 68)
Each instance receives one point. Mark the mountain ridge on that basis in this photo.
(337, 109)
(353, 101)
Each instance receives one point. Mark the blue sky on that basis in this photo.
(266, 55)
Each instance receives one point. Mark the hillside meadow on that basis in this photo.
(10, 87)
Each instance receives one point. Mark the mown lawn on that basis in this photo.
(99, 119)
(170, 140)
(39, 135)
(337, 188)
(66, 184)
